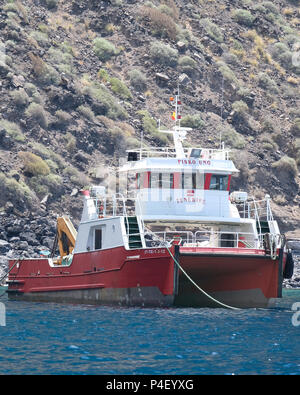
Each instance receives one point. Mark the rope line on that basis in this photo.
(6, 274)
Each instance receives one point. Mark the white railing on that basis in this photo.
(221, 154)
(209, 239)
(260, 210)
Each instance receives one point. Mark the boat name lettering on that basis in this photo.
(194, 162)
(155, 251)
(190, 200)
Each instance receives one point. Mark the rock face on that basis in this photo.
(75, 102)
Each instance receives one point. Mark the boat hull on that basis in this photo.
(241, 279)
(151, 278)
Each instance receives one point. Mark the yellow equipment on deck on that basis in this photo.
(65, 237)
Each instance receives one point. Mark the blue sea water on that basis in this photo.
(46, 338)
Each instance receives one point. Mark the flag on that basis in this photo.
(174, 116)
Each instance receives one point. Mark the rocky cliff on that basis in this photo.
(82, 79)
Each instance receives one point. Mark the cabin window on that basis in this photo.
(218, 182)
(138, 181)
(192, 180)
(98, 239)
(161, 180)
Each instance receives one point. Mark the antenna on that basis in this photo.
(222, 105)
(179, 133)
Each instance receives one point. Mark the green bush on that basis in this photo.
(243, 17)
(78, 178)
(13, 130)
(267, 83)
(192, 121)
(287, 165)
(161, 23)
(150, 127)
(163, 54)
(42, 185)
(34, 165)
(16, 192)
(233, 139)
(20, 97)
(45, 74)
(48, 155)
(63, 118)
(212, 30)
(119, 88)
(226, 72)
(240, 107)
(104, 49)
(138, 80)
(268, 143)
(295, 129)
(86, 112)
(110, 106)
(187, 65)
(36, 112)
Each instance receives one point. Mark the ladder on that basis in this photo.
(133, 233)
(262, 227)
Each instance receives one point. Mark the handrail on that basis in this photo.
(246, 239)
(209, 153)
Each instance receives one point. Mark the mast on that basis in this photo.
(179, 133)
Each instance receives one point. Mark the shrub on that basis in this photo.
(42, 185)
(119, 88)
(243, 17)
(240, 108)
(62, 117)
(295, 129)
(192, 121)
(62, 59)
(16, 192)
(226, 72)
(50, 4)
(109, 106)
(138, 80)
(34, 165)
(287, 165)
(233, 139)
(36, 112)
(20, 97)
(268, 143)
(150, 127)
(212, 30)
(45, 74)
(164, 54)
(187, 65)
(161, 23)
(48, 155)
(13, 130)
(267, 83)
(104, 49)
(86, 112)
(78, 178)
(71, 142)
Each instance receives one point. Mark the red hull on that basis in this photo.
(149, 277)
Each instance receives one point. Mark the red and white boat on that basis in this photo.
(177, 238)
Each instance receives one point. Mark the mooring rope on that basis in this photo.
(197, 286)
(6, 274)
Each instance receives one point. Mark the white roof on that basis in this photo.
(179, 165)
